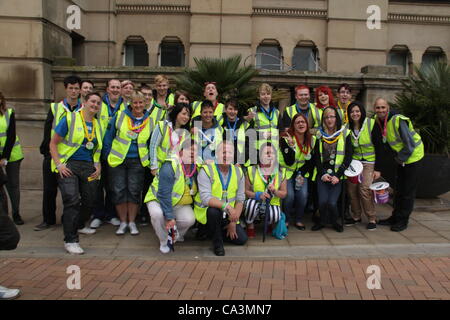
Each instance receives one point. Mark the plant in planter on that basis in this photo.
(426, 101)
(232, 80)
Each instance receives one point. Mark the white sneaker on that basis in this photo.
(122, 228)
(133, 229)
(8, 294)
(87, 230)
(114, 221)
(96, 223)
(164, 248)
(73, 248)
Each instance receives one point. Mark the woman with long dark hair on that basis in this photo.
(361, 196)
(296, 146)
(333, 155)
(168, 134)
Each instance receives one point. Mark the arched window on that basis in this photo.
(171, 52)
(305, 56)
(431, 55)
(400, 56)
(135, 52)
(269, 55)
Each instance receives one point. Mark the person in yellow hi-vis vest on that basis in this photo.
(11, 156)
(171, 196)
(397, 131)
(127, 152)
(344, 95)
(76, 148)
(210, 93)
(169, 135)
(265, 187)
(361, 197)
(333, 153)
(296, 148)
(163, 100)
(58, 110)
(218, 204)
(264, 118)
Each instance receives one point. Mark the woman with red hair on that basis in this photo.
(324, 97)
(296, 146)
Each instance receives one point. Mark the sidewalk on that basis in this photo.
(428, 234)
(138, 279)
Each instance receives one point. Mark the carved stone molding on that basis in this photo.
(291, 12)
(145, 9)
(413, 18)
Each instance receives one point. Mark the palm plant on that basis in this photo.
(232, 80)
(425, 99)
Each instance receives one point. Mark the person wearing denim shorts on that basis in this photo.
(127, 151)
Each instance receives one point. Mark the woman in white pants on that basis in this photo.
(170, 197)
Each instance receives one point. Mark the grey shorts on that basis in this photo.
(127, 182)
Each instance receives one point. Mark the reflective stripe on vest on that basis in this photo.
(121, 143)
(75, 137)
(258, 184)
(216, 190)
(395, 141)
(340, 150)
(16, 152)
(178, 186)
(313, 111)
(365, 149)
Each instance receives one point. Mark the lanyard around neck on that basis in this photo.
(224, 186)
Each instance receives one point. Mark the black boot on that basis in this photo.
(18, 219)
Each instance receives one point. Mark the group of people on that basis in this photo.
(137, 153)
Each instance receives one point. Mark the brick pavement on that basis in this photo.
(139, 279)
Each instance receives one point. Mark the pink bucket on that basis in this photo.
(381, 196)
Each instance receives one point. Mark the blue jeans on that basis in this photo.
(328, 198)
(294, 204)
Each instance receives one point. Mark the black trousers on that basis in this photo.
(79, 196)
(405, 191)
(104, 209)
(13, 185)
(9, 235)
(216, 229)
(50, 181)
(148, 179)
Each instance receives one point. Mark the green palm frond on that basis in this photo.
(232, 79)
(426, 100)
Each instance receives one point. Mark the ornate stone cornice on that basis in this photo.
(145, 9)
(291, 12)
(418, 19)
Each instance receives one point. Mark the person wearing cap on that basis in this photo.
(210, 93)
(333, 154)
(303, 106)
(296, 147)
(218, 204)
(11, 156)
(361, 197)
(398, 132)
(58, 110)
(76, 148)
(127, 152)
(170, 197)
